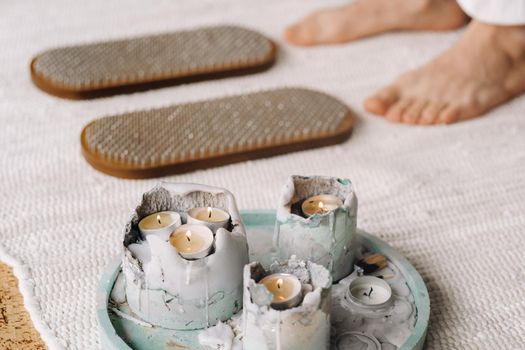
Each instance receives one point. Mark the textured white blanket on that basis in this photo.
(451, 198)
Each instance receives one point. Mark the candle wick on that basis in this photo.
(209, 214)
(188, 238)
(279, 283)
(369, 293)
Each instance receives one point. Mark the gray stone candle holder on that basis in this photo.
(304, 327)
(164, 289)
(326, 239)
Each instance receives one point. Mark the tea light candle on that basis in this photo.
(321, 204)
(192, 241)
(370, 291)
(162, 223)
(286, 290)
(213, 218)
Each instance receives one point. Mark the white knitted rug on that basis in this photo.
(450, 198)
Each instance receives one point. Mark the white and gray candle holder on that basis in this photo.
(164, 289)
(326, 238)
(303, 327)
(381, 325)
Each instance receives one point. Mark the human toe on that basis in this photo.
(380, 102)
(449, 114)
(430, 113)
(395, 112)
(412, 112)
(299, 34)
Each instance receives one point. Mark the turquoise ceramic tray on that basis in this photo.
(121, 334)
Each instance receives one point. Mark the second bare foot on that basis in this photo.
(485, 67)
(364, 18)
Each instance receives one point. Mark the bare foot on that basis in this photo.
(364, 18)
(483, 69)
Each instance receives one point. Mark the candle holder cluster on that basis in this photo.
(186, 267)
(185, 248)
(185, 273)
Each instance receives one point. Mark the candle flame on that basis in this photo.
(209, 212)
(188, 235)
(158, 219)
(321, 207)
(279, 283)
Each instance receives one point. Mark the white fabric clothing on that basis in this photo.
(500, 12)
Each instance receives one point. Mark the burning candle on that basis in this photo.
(192, 241)
(213, 218)
(286, 290)
(370, 291)
(320, 204)
(162, 223)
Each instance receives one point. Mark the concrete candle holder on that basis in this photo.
(164, 289)
(324, 238)
(388, 323)
(305, 326)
